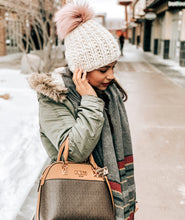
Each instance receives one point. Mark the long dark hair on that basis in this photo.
(123, 92)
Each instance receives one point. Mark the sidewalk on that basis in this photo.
(168, 67)
(156, 114)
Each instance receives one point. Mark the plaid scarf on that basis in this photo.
(114, 148)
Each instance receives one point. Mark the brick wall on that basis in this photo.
(2, 35)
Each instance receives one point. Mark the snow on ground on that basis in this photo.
(172, 64)
(10, 57)
(22, 155)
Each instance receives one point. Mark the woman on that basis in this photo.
(85, 102)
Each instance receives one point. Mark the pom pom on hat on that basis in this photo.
(71, 16)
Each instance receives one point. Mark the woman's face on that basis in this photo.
(101, 78)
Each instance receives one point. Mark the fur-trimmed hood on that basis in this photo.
(50, 85)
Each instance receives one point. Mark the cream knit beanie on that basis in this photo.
(88, 44)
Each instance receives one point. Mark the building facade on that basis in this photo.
(2, 31)
(15, 20)
(161, 28)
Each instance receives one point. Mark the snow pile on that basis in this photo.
(22, 155)
(10, 58)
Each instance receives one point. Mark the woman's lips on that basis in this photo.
(105, 84)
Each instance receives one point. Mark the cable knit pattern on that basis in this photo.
(90, 46)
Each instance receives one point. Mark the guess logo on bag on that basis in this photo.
(80, 173)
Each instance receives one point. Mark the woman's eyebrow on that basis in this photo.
(105, 67)
(108, 66)
(113, 64)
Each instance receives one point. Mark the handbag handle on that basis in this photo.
(64, 149)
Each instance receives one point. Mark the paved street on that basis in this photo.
(156, 114)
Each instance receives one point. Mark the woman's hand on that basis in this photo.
(82, 85)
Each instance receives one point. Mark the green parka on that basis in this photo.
(58, 119)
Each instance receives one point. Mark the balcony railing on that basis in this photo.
(152, 2)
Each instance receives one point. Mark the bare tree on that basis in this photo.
(38, 31)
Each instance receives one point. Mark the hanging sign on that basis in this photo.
(150, 16)
(176, 4)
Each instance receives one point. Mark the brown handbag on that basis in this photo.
(74, 191)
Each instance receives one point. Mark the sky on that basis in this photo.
(115, 15)
(111, 7)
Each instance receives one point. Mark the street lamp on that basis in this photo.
(125, 3)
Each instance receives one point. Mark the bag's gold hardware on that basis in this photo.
(102, 172)
(64, 170)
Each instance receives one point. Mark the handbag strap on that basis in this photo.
(64, 150)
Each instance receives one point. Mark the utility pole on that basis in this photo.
(66, 1)
(63, 2)
(125, 3)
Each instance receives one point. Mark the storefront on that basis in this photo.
(176, 34)
(137, 25)
(2, 31)
(167, 34)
